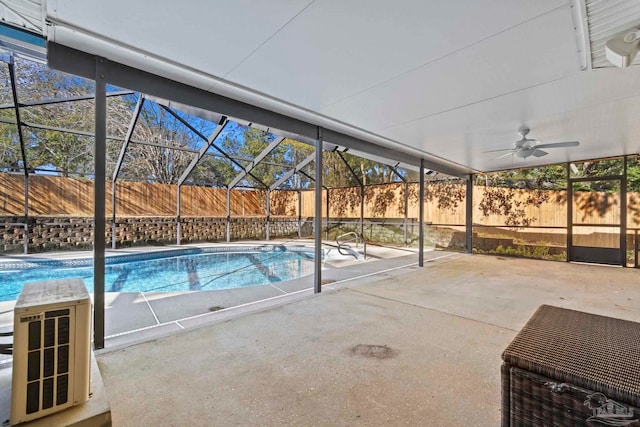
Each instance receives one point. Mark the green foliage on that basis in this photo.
(525, 251)
(10, 157)
(598, 168)
(549, 178)
(633, 174)
(346, 170)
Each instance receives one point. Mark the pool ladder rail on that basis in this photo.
(344, 242)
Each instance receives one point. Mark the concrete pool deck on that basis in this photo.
(133, 317)
(410, 346)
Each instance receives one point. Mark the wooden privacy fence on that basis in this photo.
(444, 202)
(68, 196)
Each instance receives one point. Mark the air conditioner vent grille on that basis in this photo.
(48, 361)
(47, 393)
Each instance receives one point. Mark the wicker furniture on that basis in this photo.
(569, 368)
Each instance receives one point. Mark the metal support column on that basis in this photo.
(623, 215)
(25, 242)
(406, 212)
(362, 212)
(299, 214)
(317, 277)
(327, 210)
(228, 215)
(99, 204)
(113, 214)
(469, 215)
(178, 219)
(268, 211)
(25, 167)
(569, 214)
(421, 218)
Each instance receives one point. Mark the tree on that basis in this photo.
(164, 164)
(67, 153)
(338, 174)
(10, 156)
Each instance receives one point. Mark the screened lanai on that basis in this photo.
(158, 156)
(272, 175)
(442, 100)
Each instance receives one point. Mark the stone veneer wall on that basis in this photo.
(55, 233)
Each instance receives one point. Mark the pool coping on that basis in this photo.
(118, 258)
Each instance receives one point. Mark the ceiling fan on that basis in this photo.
(526, 147)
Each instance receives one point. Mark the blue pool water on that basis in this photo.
(173, 271)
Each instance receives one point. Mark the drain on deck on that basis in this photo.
(216, 308)
(327, 282)
(373, 351)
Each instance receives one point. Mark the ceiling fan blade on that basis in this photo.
(559, 144)
(539, 153)
(497, 151)
(506, 154)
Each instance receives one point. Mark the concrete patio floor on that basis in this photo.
(410, 346)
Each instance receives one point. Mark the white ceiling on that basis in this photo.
(452, 79)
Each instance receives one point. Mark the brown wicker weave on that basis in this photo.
(569, 368)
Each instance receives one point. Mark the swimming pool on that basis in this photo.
(194, 269)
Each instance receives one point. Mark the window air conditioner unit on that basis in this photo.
(51, 349)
